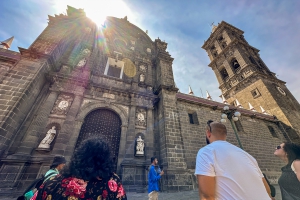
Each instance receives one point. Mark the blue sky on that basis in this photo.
(269, 25)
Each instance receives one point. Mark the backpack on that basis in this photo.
(35, 184)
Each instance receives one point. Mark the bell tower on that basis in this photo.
(244, 78)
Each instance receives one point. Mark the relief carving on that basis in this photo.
(109, 96)
(62, 105)
(143, 68)
(140, 117)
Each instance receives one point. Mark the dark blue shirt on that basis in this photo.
(153, 178)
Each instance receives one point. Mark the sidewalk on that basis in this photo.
(190, 195)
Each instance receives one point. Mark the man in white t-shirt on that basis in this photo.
(227, 172)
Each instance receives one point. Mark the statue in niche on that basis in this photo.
(139, 147)
(45, 143)
(142, 78)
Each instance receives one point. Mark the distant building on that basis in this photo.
(116, 83)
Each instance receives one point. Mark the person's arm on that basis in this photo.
(207, 187)
(153, 175)
(296, 165)
(205, 173)
(267, 187)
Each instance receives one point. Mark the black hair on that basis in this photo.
(153, 158)
(90, 160)
(292, 150)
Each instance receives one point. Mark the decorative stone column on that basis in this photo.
(130, 136)
(38, 125)
(68, 127)
(149, 136)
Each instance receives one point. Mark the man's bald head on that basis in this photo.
(218, 129)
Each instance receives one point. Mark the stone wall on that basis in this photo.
(255, 137)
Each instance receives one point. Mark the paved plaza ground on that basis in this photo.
(185, 195)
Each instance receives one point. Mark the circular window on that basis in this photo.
(281, 90)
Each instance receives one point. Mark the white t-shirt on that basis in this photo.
(238, 176)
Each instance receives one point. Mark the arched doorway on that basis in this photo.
(106, 124)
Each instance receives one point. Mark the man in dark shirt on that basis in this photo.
(153, 179)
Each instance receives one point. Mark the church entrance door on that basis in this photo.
(106, 124)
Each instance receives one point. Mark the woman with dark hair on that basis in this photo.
(289, 180)
(89, 175)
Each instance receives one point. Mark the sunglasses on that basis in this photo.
(279, 147)
(208, 124)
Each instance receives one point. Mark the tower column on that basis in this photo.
(68, 127)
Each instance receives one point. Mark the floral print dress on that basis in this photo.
(71, 188)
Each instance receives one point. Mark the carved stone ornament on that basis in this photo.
(45, 143)
(86, 51)
(143, 68)
(141, 117)
(62, 105)
(281, 90)
(139, 147)
(82, 62)
(142, 78)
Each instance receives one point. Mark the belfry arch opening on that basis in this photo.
(235, 64)
(224, 73)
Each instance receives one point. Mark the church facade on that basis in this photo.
(77, 81)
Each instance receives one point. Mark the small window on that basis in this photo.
(114, 71)
(193, 118)
(114, 68)
(255, 93)
(239, 126)
(272, 131)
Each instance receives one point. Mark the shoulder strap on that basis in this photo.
(49, 175)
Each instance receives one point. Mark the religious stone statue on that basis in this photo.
(139, 146)
(45, 143)
(142, 78)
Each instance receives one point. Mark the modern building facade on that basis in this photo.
(115, 82)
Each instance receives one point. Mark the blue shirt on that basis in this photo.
(153, 178)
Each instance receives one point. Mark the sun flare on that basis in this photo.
(96, 10)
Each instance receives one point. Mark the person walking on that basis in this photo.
(227, 172)
(289, 180)
(57, 165)
(153, 179)
(89, 175)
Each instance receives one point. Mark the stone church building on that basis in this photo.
(77, 80)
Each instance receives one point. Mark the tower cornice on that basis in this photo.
(219, 28)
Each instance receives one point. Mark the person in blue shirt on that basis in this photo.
(153, 180)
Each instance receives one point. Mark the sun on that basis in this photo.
(96, 10)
